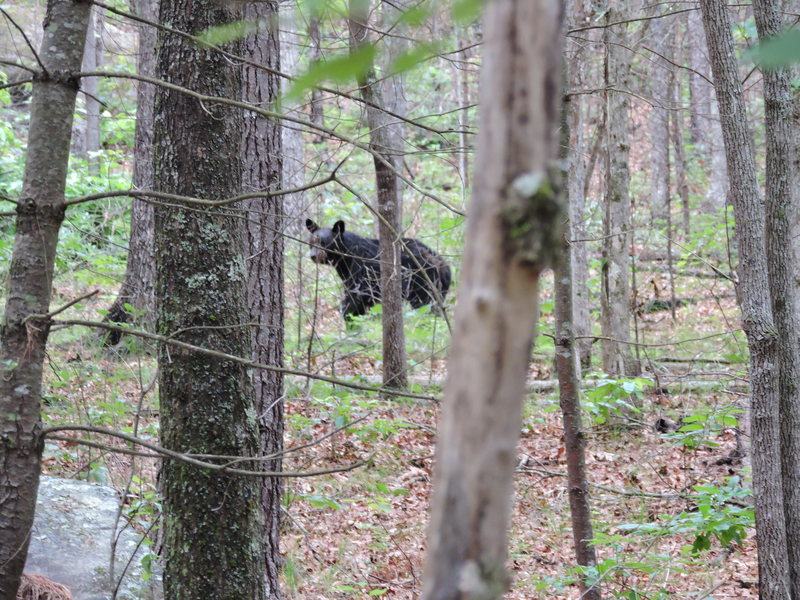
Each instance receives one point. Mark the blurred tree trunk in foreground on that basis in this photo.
(514, 232)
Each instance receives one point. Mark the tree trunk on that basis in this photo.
(92, 59)
(569, 388)
(660, 75)
(293, 162)
(681, 181)
(704, 127)
(40, 213)
(514, 230)
(137, 287)
(213, 523)
(316, 107)
(578, 13)
(390, 226)
(754, 301)
(262, 152)
(615, 295)
(781, 213)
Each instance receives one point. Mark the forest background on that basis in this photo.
(664, 408)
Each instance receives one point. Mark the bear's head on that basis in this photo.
(325, 242)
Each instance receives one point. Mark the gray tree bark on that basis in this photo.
(568, 371)
(514, 230)
(388, 209)
(294, 166)
(754, 302)
(92, 60)
(660, 76)
(781, 215)
(704, 126)
(137, 289)
(578, 12)
(263, 156)
(213, 523)
(23, 337)
(615, 313)
(316, 109)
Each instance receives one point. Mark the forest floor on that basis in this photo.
(361, 533)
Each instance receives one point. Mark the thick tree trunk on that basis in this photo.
(261, 149)
(781, 213)
(615, 294)
(137, 287)
(514, 229)
(40, 213)
(213, 524)
(389, 211)
(754, 301)
(569, 390)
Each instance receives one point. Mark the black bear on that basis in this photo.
(355, 259)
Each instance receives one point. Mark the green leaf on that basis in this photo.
(412, 58)
(340, 69)
(229, 32)
(465, 11)
(777, 52)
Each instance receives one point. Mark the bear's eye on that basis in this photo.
(315, 239)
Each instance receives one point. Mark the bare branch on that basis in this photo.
(27, 41)
(243, 361)
(224, 469)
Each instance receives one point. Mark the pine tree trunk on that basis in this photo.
(30, 276)
(615, 294)
(515, 227)
(262, 153)
(213, 523)
(781, 213)
(390, 225)
(754, 301)
(137, 287)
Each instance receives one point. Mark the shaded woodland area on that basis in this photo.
(438, 299)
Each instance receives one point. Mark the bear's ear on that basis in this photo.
(311, 226)
(338, 228)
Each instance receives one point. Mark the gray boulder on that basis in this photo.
(71, 543)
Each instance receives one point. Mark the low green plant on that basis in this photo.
(608, 397)
(703, 426)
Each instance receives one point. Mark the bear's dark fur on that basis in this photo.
(355, 259)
